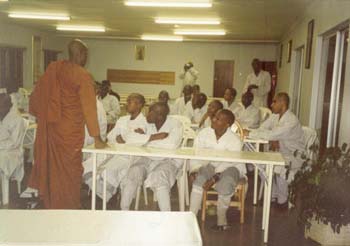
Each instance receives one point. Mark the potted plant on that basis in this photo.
(321, 193)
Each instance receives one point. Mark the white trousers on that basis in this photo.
(160, 176)
(225, 187)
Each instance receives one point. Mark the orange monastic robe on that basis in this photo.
(63, 101)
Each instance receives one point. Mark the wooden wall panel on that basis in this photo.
(140, 77)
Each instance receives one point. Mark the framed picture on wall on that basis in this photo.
(310, 33)
(281, 56)
(289, 55)
(139, 52)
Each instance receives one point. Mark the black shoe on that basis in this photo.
(282, 206)
(220, 227)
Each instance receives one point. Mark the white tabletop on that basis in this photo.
(267, 158)
(102, 228)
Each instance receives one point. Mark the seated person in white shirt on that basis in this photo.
(248, 115)
(124, 132)
(196, 109)
(12, 128)
(285, 134)
(157, 173)
(180, 103)
(225, 176)
(230, 100)
(213, 107)
(163, 96)
(110, 104)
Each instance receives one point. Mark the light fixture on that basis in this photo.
(199, 32)
(3, 0)
(192, 21)
(170, 3)
(39, 16)
(161, 38)
(81, 28)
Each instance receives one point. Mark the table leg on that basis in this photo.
(256, 171)
(105, 189)
(268, 202)
(93, 192)
(182, 187)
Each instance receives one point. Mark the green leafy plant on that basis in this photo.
(321, 188)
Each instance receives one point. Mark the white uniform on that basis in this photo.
(288, 131)
(157, 173)
(12, 130)
(102, 123)
(248, 117)
(230, 173)
(234, 107)
(117, 166)
(263, 81)
(189, 77)
(195, 115)
(179, 106)
(112, 108)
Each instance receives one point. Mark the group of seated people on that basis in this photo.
(159, 129)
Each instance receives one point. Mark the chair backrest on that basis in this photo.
(188, 133)
(237, 128)
(264, 113)
(29, 135)
(310, 138)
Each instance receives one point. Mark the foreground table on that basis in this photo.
(102, 228)
(269, 160)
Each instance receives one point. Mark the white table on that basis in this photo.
(259, 158)
(254, 145)
(102, 228)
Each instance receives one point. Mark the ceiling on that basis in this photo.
(249, 20)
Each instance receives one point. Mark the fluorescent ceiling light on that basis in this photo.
(3, 0)
(81, 28)
(161, 38)
(173, 3)
(39, 16)
(193, 21)
(199, 32)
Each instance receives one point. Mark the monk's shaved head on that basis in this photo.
(160, 108)
(77, 51)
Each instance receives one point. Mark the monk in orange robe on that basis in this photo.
(63, 101)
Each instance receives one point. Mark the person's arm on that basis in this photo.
(246, 85)
(14, 140)
(204, 118)
(194, 73)
(172, 141)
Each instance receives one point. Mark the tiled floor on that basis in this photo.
(283, 226)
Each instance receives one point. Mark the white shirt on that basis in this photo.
(112, 108)
(206, 139)
(126, 127)
(189, 77)
(102, 123)
(12, 130)
(195, 115)
(263, 81)
(179, 106)
(248, 117)
(288, 131)
(233, 107)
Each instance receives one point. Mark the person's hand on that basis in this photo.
(274, 145)
(139, 130)
(120, 139)
(210, 182)
(246, 132)
(251, 87)
(99, 143)
(158, 136)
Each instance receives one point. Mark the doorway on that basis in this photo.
(223, 76)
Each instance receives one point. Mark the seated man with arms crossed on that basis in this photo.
(157, 173)
(226, 176)
(285, 134)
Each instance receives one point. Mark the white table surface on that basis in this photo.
(269, 159)
(102, 228)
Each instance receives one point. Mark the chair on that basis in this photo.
(311, 139)
(237, 128)
(19, 171)
(264, 114)
(239, 203)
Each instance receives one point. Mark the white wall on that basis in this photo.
(18, 36)
(171, 56)
(327, 14)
